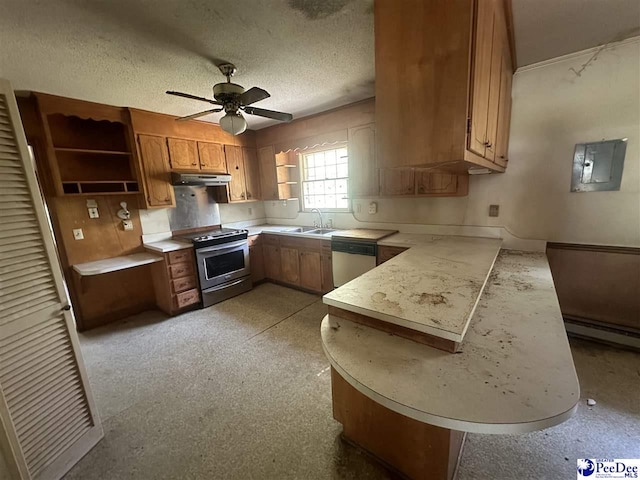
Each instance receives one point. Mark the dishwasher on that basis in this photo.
(352, 258)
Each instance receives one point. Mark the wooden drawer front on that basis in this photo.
(185, 283)
(387, 253)
(254, 240)
(181, 270)
(180, 256)
(187, 298)
(271, 239)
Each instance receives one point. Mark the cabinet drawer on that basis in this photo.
(185, 283)
(180, 270)
(180, 256)
(187, 298)
(271, 239)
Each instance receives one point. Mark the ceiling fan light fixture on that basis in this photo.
(233, 123)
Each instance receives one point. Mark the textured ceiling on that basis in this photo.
(311, 55)
(546, 29)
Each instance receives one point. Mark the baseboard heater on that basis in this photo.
(621, 337)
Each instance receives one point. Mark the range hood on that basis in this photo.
(199, 179)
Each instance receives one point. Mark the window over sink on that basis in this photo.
(325, 179)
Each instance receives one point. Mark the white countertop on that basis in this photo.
(514, 373)
(433, 287)
(170, 245)
(258, 229)
(114, 264)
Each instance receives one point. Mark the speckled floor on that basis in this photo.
(242, 390)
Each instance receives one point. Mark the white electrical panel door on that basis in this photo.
(48, 419)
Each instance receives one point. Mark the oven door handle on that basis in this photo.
(223, 248)
(225, 285)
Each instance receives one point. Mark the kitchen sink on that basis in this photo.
(321, 231)
(302, 230)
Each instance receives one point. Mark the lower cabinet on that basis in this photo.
(310, 271)
(175, 282)
(271, 253)
(299, 262)
(256, 259)
(290, 264)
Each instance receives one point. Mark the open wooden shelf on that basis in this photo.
(106, 187)
(90, 151)
(287, 183)
(287, 166)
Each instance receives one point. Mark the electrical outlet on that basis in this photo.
(358, 207)
(93, 212)
(127, 224)
(373, 208)
(250, 211)
(494, 210)
(78, 234)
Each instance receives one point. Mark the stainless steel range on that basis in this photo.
(222, 257)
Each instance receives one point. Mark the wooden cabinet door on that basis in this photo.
(256, 262)
(268, 176)
(363, 168)
(440, 184)
(183, 154)
(212, 157)
(397, 181)
(327, 272)
(235, 164)
(272, 268)
(499, 40)
(482, 59)
(290, 264)
(504, 109)
(310, 271)
(251, 173)
(154, 157)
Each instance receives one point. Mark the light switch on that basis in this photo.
(77, 234)
(93, 212)
(127, 224)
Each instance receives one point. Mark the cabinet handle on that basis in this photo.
(66, 308)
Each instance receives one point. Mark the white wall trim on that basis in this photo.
(570, 56)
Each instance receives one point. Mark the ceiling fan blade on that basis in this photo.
(253, 95)
(193, 97)
(200, 114)
(261, 112)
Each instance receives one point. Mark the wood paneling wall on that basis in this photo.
(597, 283)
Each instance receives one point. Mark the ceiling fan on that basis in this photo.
(233, 99)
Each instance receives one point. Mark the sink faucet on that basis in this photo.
(316, 210)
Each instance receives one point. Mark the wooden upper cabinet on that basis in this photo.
(504, 108)
(268, 176)
(440, 184)
(363, 169)
(235, 166)
(437, 103)
(397, 181)
(183, 154)
(482, 68)
(251, 173)
(154, 158)
(212, 157)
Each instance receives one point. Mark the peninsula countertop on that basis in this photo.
(513, 374)
(432, 288)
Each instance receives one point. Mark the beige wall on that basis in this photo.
(553, 109)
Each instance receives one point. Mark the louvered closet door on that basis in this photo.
(47, 414)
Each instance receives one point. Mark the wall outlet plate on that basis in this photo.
(93, 212)
(127, 224)
(373, 208)
(78, 234)
(494, 210)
